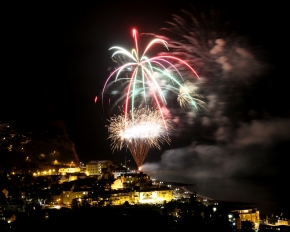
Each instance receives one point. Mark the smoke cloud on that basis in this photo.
(251, 153)
(242, 132)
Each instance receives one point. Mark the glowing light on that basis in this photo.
(139, 133)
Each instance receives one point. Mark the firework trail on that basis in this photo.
(188, 91)
(142, 76)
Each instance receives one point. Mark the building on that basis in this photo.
(119, 197)
(249, 214)
(119, 171)
(135, 179)
(145, 196)
(154, 195)
(283, 220)
(99, 168)
(68, 196)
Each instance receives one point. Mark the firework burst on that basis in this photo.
(147, 78)
(141, 130)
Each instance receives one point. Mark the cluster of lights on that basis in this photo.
(48, 172)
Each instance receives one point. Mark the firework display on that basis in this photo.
(145, 77)
(141, 130)
(145, 82)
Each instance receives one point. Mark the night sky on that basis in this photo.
(55, 61)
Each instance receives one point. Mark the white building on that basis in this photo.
(98, 167)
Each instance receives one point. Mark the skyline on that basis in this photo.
(57, 61)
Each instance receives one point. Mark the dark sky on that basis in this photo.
(56, 61)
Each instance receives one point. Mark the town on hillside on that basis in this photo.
(103, 185)
(43, 185)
